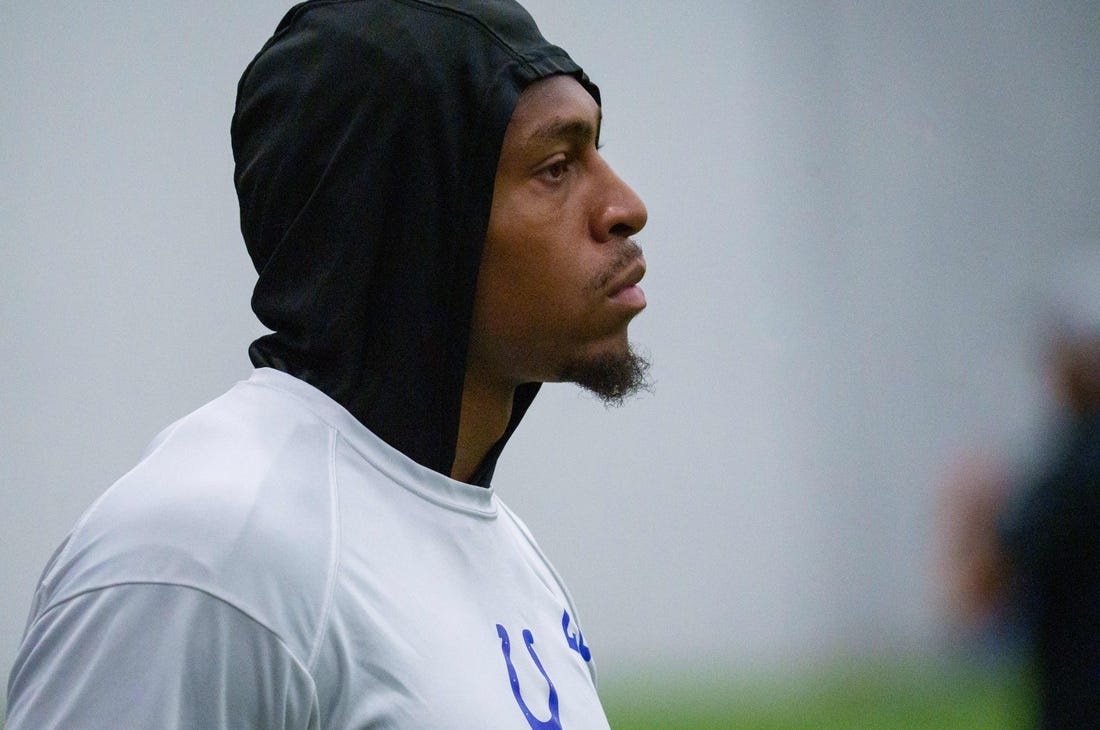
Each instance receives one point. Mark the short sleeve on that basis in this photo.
(155, 656)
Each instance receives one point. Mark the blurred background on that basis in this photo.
(862, 218)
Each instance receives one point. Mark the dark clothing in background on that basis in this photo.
(1053, 538)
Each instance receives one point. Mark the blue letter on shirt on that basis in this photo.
(506, 648)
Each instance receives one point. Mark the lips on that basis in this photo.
(631, 274)
(625, 289)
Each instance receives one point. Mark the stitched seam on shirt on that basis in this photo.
(185, 586)
(334, 551)
(530, 540)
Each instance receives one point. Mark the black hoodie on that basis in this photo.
(366, 137)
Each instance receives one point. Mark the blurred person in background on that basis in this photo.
(1026, 551)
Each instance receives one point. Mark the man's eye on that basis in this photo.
(556, 171)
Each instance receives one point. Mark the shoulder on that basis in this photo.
(127, 655)
(235, 500)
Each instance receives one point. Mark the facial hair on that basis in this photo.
(612, 377)
(627, 251)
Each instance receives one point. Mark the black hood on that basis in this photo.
(366, 138)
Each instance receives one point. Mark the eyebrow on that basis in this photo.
(580, 132)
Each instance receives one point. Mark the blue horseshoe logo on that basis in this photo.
(554, 723)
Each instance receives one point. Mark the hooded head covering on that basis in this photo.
(366, 138)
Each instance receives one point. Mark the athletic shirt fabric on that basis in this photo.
(271, 563)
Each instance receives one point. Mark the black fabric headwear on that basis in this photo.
(366, 137)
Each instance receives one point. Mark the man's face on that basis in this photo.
(557, 284)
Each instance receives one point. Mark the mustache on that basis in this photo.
(628, 251)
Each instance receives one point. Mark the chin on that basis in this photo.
(613, 375)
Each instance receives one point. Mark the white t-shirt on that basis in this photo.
(271, 563)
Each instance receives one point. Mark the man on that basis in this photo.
(436, 234)
(1030, 550)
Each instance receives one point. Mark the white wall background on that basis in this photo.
(855, 209)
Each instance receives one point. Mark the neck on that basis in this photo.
(486, 410)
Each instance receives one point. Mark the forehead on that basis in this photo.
(551, 107)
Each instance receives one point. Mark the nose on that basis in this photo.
(620, 213)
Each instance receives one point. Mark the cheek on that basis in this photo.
(535, 299)
(529, 264)
(554, 284)
(535, 260)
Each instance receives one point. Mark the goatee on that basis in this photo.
(611, 378)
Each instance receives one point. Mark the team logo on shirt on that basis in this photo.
(554, 723)
(574, 640)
